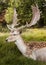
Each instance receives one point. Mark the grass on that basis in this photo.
(9, 53)
(34, 35)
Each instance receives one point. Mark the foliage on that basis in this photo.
(24, 11)
(3, 5)
(9, 14)
(3, 29)
(42, 6)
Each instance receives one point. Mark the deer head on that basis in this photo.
(13, 35)
(15, 31)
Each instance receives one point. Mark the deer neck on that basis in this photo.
(20, 44)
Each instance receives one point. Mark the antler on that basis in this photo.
(14, 23)
(15, 19)
(36, 15)
(35, 18)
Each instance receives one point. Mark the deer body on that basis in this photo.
(35, 54)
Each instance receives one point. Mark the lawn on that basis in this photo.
(34, 35)
(9, 53)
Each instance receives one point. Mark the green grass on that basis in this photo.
(9, 53)
(34, 35)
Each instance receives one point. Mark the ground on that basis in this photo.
(9, 53)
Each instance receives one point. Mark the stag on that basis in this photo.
(34, 51)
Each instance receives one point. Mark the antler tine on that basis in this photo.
(11, 26)
(14, 19)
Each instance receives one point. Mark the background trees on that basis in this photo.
(24, 11)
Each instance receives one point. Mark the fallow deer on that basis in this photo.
(34, 51)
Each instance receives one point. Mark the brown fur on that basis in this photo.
(34, 46)
(37, 45)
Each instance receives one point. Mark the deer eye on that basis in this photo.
(12, 31)
(14, 34)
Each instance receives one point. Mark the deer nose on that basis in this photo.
(6, 40)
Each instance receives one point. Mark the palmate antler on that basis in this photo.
(35, 18)
(36, 15)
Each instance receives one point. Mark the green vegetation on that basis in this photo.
(9, 53)
(34, 35)
(9, 15)
(4, 29)
(24, 11)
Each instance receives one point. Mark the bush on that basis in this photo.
(3, 29)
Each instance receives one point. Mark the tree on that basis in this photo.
(24, 11)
